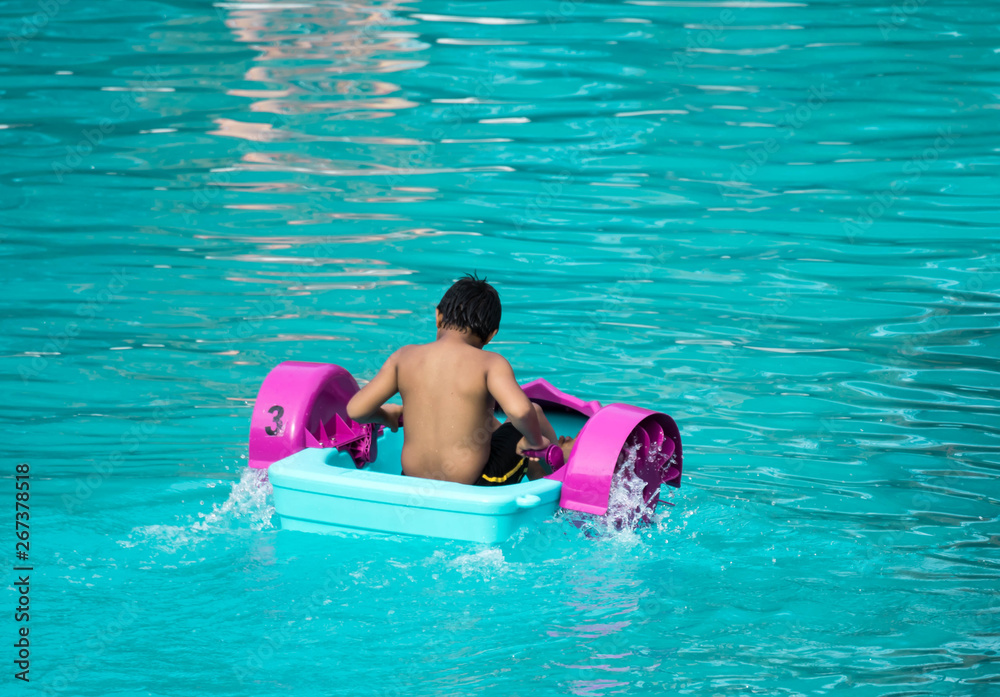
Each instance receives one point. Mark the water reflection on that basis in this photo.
(304, 46)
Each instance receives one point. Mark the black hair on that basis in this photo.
(473, 304)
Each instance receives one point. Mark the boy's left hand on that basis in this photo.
(393, 414)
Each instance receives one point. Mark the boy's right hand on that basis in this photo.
(393, 414)
(523, 445)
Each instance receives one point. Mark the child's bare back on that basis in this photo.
(445, 386)
(449, 388)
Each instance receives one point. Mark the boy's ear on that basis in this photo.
(491, 336)
(437, 318)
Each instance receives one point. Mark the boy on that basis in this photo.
(449, 388)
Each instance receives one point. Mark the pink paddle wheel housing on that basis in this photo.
(304, 405)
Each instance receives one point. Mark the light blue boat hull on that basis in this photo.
(320, 490)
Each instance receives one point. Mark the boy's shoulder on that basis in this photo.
(401, 353)
(494, 359)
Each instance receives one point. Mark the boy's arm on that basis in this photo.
(366, 405)
(503, 387)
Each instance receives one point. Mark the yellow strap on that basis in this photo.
(506, 476)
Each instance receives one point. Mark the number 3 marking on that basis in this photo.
(279, 425)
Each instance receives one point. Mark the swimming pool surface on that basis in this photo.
(775, 221)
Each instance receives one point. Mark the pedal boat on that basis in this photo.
(330, 474)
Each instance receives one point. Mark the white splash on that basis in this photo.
(247, 507)
(487, 563)
(628, 508)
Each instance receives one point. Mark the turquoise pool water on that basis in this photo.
(776, 221)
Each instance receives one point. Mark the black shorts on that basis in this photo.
(504, 465)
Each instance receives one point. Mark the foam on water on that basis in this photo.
(487, 563)
(629, 510)
(248, 507)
